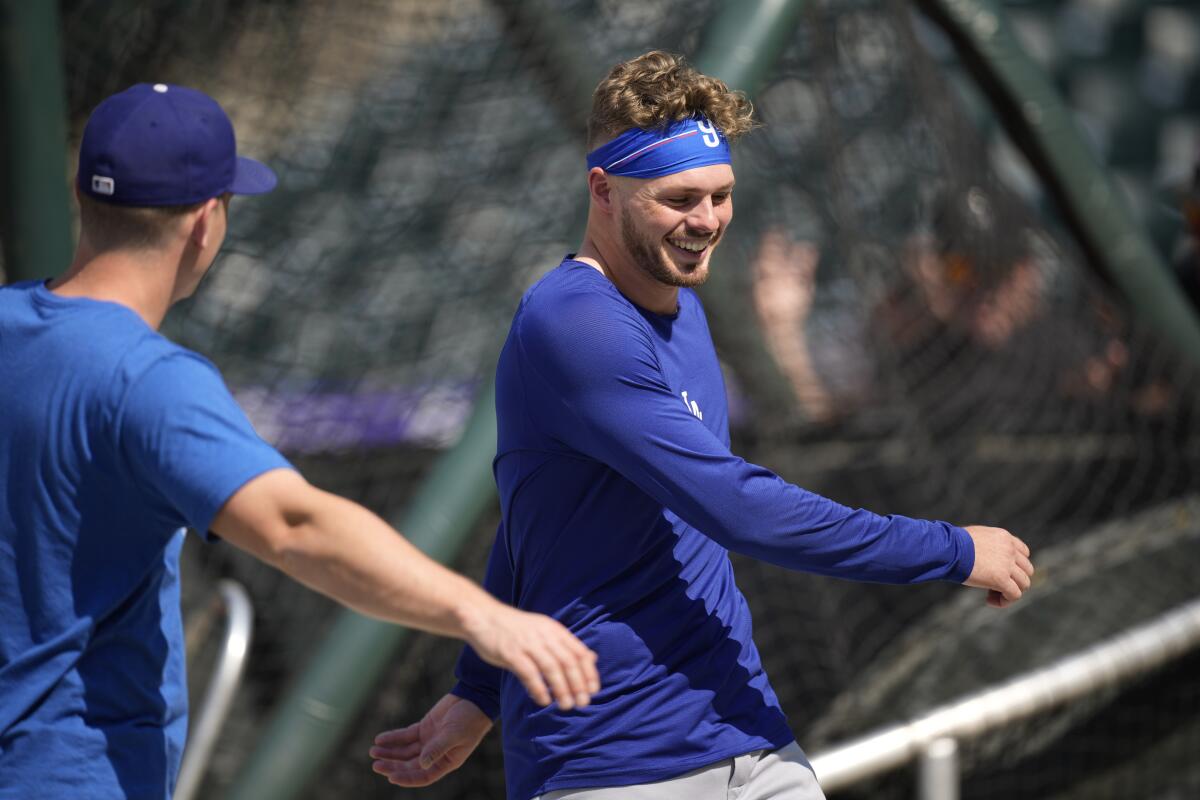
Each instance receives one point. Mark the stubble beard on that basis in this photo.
(653, 261)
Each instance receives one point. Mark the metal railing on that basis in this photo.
(933, 738)
(233, 603)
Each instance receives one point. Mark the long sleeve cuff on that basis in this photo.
(487, 702)
(965, 546)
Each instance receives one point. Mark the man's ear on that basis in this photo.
(201, 221)
(601, 189)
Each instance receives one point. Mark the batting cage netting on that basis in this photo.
(906, 324)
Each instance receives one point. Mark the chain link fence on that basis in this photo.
(902, 327)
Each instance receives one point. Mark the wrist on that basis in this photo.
(472, 612)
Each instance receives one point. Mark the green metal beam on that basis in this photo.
(740, 45)
(745, 39)
(1039, 121)
(37, 219)
(315, 714)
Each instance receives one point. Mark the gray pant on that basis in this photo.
(782, 774)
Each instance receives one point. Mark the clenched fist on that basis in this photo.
(1002, 565)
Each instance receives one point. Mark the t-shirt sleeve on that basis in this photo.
(479, 681)
(599, 388)
(186, 439)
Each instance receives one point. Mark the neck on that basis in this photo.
(143, 281)
(603, 251)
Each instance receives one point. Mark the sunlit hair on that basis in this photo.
(108, 226)
(657, 88)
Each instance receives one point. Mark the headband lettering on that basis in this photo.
(682, 145)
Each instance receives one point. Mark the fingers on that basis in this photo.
(1011, 591)
(395, 753)
(997, 600)
(561, 676)
(434, 752)
(1022, 548)
(409, 733)
(570, 673)
(571, 669)
(414, 766)
(530, 676)
(553, 671)
(582, 674)
(1023, 578)
(591, 675)
(579, 670)
(548, 660)
(577, 684)
(408, 773)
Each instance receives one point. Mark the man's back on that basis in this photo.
(90, 668)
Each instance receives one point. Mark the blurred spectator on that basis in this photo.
(938, 298)
(951, 288)
(784, 274)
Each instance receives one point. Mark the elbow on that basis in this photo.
(282, 540)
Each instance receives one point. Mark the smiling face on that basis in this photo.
(670, 225)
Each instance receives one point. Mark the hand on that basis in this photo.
(1002, 565)
(539, 651)
(428, 750)
(784, 281)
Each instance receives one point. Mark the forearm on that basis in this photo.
(750, 510)
(856, 544)
(344, 551)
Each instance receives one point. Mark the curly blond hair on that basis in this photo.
(658, 88)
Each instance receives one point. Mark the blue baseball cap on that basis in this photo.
(164, 145)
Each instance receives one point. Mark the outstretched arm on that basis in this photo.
(192, 449)
(599, 387)
(344, 551)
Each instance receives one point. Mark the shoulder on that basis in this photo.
(157, 355)
(106, 347)
(574, 323)
(103, 340)
(161, 373)
(575, 302)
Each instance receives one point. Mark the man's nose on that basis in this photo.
(703, 217)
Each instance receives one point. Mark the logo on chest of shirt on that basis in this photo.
(692, 406)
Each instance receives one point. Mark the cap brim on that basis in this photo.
(252, 177)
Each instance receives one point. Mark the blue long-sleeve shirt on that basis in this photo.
(620, 500)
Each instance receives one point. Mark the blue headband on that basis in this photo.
(686, 144)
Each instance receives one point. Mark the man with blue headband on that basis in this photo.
(621, 500)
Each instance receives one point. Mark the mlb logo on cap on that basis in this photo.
(164, 145)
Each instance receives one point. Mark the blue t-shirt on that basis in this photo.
(113, 440)
(620, 502)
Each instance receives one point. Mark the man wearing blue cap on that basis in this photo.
(115, 439)
(621, 499)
